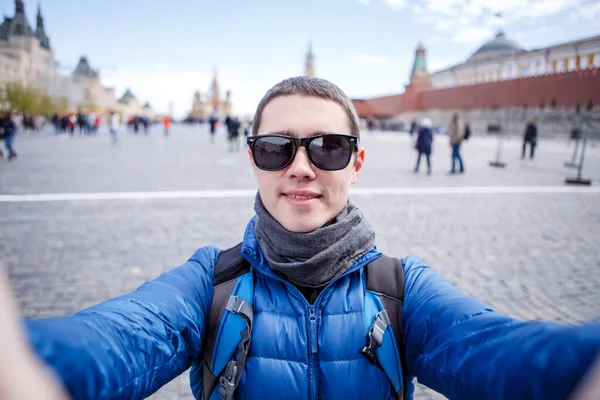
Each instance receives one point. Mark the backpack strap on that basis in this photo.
(385, 280)
(229, 326)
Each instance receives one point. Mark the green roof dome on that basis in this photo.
(499, 46)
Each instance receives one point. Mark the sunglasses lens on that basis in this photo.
(330, 152)
(272, 153)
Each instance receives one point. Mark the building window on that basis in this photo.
(591, 60)
(566, 64)
(554, 65)
(577, 62)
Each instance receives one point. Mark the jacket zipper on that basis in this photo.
(312, 331)
(313, 323)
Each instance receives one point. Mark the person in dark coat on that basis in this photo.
(530, 137)
(424, 143)
(9, 131)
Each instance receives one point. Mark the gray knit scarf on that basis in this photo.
(315, 258)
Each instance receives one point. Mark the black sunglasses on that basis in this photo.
(329, 152)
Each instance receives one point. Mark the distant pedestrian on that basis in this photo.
(457, 134)
(82, 122)
(166, 124)
(424, 143)
(213, 121)
(246, 126)
(9, 131)
(233, 127)
(413, 127)
(113, 124)
(71, 124)
(530, 137)
(145, 123)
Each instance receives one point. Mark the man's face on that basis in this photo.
(303, 116)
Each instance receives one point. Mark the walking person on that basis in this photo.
(113, 125)
(213, 122)
(233, 127)
(246, 126)
(456, 134)
(9, 131)
(530, 137)
(424, 143)
(166, 125)
(71, 124)
(306, 306)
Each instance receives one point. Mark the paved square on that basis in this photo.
(530, 255)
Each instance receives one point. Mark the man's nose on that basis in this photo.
(301, 167)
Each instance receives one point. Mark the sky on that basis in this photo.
(165, 51)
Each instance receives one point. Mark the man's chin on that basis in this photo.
(301, 224)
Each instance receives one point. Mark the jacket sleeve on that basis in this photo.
(462, 348)
(130, 346)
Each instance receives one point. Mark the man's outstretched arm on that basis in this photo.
(130, 346)
(462, 348)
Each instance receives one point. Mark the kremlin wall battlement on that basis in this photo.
(567, 89)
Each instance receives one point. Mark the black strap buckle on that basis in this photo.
(227, 381)
(369, 350)
(375, 336)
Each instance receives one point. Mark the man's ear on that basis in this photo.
(252, 165)
(359, 161)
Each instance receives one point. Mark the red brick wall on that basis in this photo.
(568, 89)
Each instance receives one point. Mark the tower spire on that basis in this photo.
(40, 32)
(419, 68)
(19, 7)
(309, 69)
(216, 96)
(40, 19)
(19, 25)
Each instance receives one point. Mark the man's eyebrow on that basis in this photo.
(284, 133)
(295, 134)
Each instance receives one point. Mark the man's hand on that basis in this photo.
(589, 388)
(22, 374)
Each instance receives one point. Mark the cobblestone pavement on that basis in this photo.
(533, 256)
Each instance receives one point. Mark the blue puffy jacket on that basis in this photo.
(130, 346)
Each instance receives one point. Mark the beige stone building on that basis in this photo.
(86, 90)
(129, 106)
(26, 57)
(87, 93)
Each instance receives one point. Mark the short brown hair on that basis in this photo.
(308, 86)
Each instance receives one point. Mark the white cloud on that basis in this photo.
(396, 4)
(437, 63)
(475, 21)
(472, 34)
(544, 8)
(370, 60)
(417, 9)
(590, 11)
